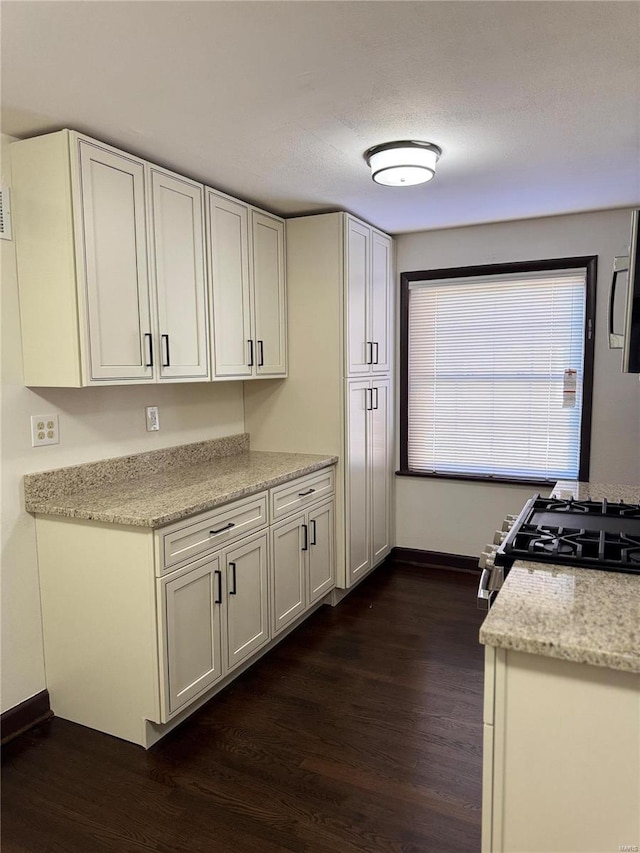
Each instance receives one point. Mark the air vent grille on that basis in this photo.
(5, 214)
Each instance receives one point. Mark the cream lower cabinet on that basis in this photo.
(368, 473)
(561, 764)
(302, 562)
(143, 626)
(191, 632)
(213, 616)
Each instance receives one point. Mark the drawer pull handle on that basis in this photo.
(218, 600)
(305, 546)
(222, 529)
(304, 494)
(232, 566)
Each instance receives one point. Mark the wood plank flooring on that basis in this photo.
(362, 731)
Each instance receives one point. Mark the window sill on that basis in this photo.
(479, 478)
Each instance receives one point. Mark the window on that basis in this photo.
(496, 371)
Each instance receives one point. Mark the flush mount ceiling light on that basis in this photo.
(403, 164)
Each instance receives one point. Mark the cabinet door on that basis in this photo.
(380, 449)
(358, 344)
(269, 294)
(322, 564)
(228, 236)
(191, 632)
(357, 477)
(178, 266)
(247, 625)
(289, 545)
(380, 305)
(115, 263)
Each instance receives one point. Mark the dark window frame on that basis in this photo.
(590, 264)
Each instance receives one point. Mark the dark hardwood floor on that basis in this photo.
(362, 731)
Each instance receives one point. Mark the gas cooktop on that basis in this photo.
(589, 534)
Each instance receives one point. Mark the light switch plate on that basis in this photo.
(45, 429)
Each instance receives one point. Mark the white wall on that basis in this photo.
(95, 423)
(460, 517)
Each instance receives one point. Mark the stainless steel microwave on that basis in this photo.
(629, 340)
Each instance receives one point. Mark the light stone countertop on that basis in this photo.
(156, 488)
(574, 614)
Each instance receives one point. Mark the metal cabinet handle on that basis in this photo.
(376, 405)
(149, 342)
(260, 353)
(305, 546)
(304, 494)
(222, 529)
(377, 352)
(485, 595)
(250, 342)
(619, 265)
(232, 566)
(218, 600)
(369, 358)
(312, 521)
(368, 399)
(165, 341)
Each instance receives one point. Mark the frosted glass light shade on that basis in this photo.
(403, 164)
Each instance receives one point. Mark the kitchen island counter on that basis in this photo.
(156, 488)
(578, 615)
(574, 614)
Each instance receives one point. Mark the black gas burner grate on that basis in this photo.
(593, 534)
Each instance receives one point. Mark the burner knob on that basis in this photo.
(499, 537)
(508, 523)
(487, 558)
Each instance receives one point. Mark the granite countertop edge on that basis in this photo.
(593, 656)
(186, 510)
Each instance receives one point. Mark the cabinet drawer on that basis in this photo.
(299, 493)
(184, 541)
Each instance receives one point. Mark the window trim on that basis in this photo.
(590, 265)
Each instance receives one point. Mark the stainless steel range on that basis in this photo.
(603, 535)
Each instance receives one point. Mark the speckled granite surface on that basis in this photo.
(579, 615)
(157, 488)
(596, 491)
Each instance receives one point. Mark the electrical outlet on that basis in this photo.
(153, 418)
(45, 429)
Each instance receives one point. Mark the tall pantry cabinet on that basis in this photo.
(339, 394)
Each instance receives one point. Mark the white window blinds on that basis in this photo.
(489, 387)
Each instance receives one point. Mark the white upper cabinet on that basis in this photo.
(178, 272)
(368, 294)
(114, 251)
(380, 308)
(248, 297)
(111, 266)
(228, 236)
(267, 234)
(358, 245)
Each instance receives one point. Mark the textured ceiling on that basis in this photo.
(535, 104)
